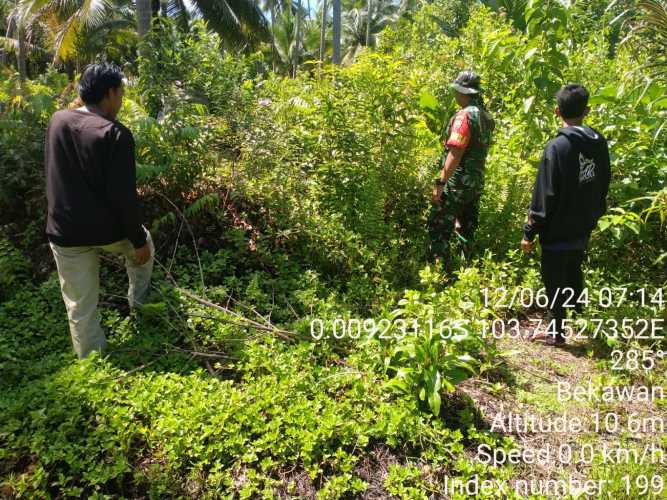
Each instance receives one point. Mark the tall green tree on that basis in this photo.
(513, 9)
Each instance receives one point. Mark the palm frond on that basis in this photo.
(93, 13)
(11, 45)
(649, 27)
(237, 21)
(178, 11)
(71, 21)
(355, 22)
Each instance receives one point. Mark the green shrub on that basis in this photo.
(14, 269)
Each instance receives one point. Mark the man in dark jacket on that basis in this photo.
(569, 197)
(92, 202)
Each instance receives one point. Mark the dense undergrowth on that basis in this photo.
(303, 202)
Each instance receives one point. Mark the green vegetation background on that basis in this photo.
(301, 199)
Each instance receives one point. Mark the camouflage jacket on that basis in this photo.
(471, 128)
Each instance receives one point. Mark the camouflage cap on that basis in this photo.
(468, 82)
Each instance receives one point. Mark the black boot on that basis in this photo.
(554, 335)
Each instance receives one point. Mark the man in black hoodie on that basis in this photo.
(569, 197)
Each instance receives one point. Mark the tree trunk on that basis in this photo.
(21, 52)
(336, 31)
(144, 13)
(69, 69)
(273, 35)
(369, 7)
(3, 52)
(323, 32)
(297, 43)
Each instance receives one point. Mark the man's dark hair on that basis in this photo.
(96, 81)
(572, 100)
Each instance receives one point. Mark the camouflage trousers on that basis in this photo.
(461, 205)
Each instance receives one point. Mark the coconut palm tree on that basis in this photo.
(240, 23)
(369, 8)
(649, 27)
(336, 31)
(176, 10)
(284, 32)
(272, 7)
(69, 23)
(295, 39)
(361, 30)
(144, 14)
(323, 31)
(15, 40)
(309, 45)
(21, 52)
(645, 25)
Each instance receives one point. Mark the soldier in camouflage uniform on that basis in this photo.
(459, 187)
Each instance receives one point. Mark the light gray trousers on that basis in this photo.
(79, 275)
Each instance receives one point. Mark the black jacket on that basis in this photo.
(570, 191)
(90, 181)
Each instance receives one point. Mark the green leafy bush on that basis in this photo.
(23, 118)
(14, 269)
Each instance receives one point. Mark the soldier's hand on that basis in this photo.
(142, 255)
(526, 246)
(437, 194)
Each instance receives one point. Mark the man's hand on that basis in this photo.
(142, 255)
(452, 161)
(526, 246)
(437, 194)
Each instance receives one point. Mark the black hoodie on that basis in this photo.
(570, 191)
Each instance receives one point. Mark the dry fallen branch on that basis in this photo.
(184, 220)
(243, 321)
(197, 354)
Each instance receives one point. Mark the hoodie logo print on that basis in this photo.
(586, 169)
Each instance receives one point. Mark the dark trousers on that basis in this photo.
(564, 282)
(455, 205)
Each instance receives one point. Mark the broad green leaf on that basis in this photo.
(428, 100)
(528, 104)
(434, 402)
